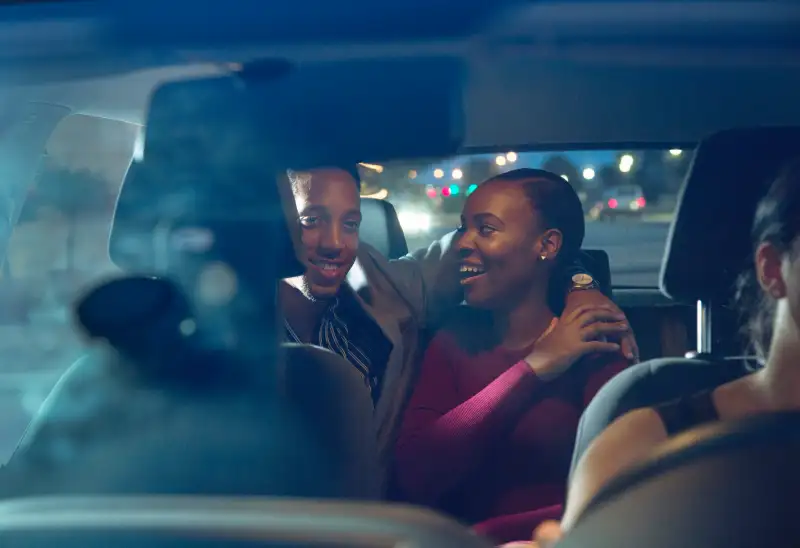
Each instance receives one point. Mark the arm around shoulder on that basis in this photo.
(428, 278)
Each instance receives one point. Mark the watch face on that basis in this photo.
(582, 279)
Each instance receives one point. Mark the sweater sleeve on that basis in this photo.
(443, 436)
(605, 368)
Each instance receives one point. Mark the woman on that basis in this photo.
(770, 297)
(490, 427)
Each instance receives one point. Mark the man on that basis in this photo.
(371, 310)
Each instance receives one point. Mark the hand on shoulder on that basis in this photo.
(582, 331)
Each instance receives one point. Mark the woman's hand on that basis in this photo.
(592, 297)
(583, 331)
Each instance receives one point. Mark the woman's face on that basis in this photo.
(501, 245)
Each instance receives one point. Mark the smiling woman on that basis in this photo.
(483, 374)
(628, 198)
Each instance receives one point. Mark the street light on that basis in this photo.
(675, 152)
(500, 160)
(457, 173)
(625, 163)
(588, 173)
(438, 173)
(511, 157)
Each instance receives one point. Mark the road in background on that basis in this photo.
(635, 248)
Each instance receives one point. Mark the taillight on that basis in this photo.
(612, 203)
(640, 201)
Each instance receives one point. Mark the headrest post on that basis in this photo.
(703, 328)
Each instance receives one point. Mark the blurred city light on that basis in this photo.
(625, 163)
(414, 222)
(675, 152)
(511, 156)
(500, 160)
(382, 194)
(438, 173)
(471, 188)
(454, 190)
(588, 173)
(373, 167)
(457, 173)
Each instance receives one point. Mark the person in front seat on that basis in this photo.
(369, 309)
(491, 424)
(769, 294)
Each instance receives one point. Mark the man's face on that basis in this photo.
(329, 205)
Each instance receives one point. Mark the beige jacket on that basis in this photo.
(407, 298)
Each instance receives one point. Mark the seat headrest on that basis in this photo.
(213, 179)
(709, 240)
(381, 228)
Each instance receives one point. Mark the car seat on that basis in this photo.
(182, 209)
(381, 228)
(701, 264)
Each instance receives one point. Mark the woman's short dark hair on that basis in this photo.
(557, 204)
(777, 222)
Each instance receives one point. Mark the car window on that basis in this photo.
(429, 194)
(59, 245)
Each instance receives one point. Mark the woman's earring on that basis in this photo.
(543, 257)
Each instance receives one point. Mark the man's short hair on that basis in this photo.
(299, 178)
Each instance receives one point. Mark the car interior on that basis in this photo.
(216, 99)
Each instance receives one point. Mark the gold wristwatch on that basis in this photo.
(583, 281)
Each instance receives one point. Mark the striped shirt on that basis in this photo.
(333, 334)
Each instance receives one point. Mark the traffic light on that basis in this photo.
(471, 188)
(454, 190)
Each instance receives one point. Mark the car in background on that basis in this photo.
(623, 201)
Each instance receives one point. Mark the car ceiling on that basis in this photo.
(537, 73)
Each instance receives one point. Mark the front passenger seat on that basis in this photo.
(92, 405)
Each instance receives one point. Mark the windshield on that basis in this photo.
(429, 195)
(59, 245)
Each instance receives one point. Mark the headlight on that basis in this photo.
(414, 222)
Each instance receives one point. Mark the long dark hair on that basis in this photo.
(777, 222)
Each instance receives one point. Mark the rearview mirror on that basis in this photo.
(319, 114)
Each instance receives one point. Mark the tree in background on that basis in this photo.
(651, 175)
(676, 167)
(561, 165)
(609, 176)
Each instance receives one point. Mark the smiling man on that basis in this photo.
(373, 311)
(318, 304)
